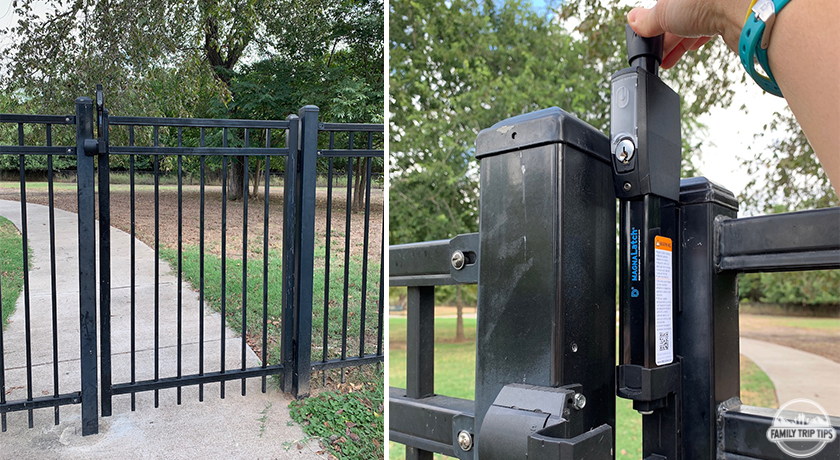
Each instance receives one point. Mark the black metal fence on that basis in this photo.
(270, 300)
(544, 262)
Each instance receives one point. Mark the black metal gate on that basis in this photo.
(213, 145)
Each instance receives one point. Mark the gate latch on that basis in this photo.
(99, 146)
(541, 423)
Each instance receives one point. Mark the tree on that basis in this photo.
(785, 173)
(173, 58)
(463, 65)
(786, 176)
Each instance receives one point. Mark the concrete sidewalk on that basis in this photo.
(797, 374)
(257, 426)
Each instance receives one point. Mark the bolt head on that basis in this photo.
(465, 440)
(579, 401)
(627, 186)
(458, 260)
(625, 150)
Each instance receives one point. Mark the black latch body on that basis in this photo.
(646, 154)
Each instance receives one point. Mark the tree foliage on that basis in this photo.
(785, 173)
(202, 58)
(463, 65)
(786, 176)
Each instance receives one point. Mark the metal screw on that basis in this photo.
(627, 186)
(574, 348)
(625, 150)
(458, 260)
(580, 401)
(67, 119)
(465, 440)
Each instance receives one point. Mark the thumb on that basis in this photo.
(644, 22)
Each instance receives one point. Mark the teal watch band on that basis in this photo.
(755, 38)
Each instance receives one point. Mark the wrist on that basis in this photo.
(731, 20)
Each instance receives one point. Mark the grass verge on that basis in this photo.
(11, 268)
(191, 264)
(455, 376)
(756, 387)
(350, 422)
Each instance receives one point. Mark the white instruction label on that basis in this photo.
(664, 301)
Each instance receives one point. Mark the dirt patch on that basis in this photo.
(823, 342)
(145, 223)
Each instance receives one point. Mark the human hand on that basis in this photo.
(689, 24)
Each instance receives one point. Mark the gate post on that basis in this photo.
(707, 319)
(546, 282)
(87, 267)
(305, 239)
(104, 168)
(289, 252)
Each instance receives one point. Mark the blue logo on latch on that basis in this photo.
(634, 292)
(635, 250)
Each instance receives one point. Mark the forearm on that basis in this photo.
(804, 56)
(805, 44)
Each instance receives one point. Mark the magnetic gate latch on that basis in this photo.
(91, 147)
(534, 422)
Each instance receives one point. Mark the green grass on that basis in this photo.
(455, 376)
(11, 267)
(363, 407)
(351, 424)
(805, 323)
(756, 387)
(254, 297)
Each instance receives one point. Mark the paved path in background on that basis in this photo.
(257, 426)
(797, 374)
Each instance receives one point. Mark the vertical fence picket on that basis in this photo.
(53, 289)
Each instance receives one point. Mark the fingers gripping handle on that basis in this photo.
(644, 52)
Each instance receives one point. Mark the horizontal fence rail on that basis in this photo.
(805, 240)
(422, 421)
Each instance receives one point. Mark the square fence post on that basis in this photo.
(87, 267)
(304, 266)
(290, 200)
(546, 281)
(707, 319)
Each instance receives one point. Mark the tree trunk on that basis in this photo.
(459, 323)
(257, 175)
(361, 182)
(237, 188)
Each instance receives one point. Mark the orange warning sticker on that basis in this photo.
(662, 243)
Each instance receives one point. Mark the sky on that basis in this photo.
(731, 131)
